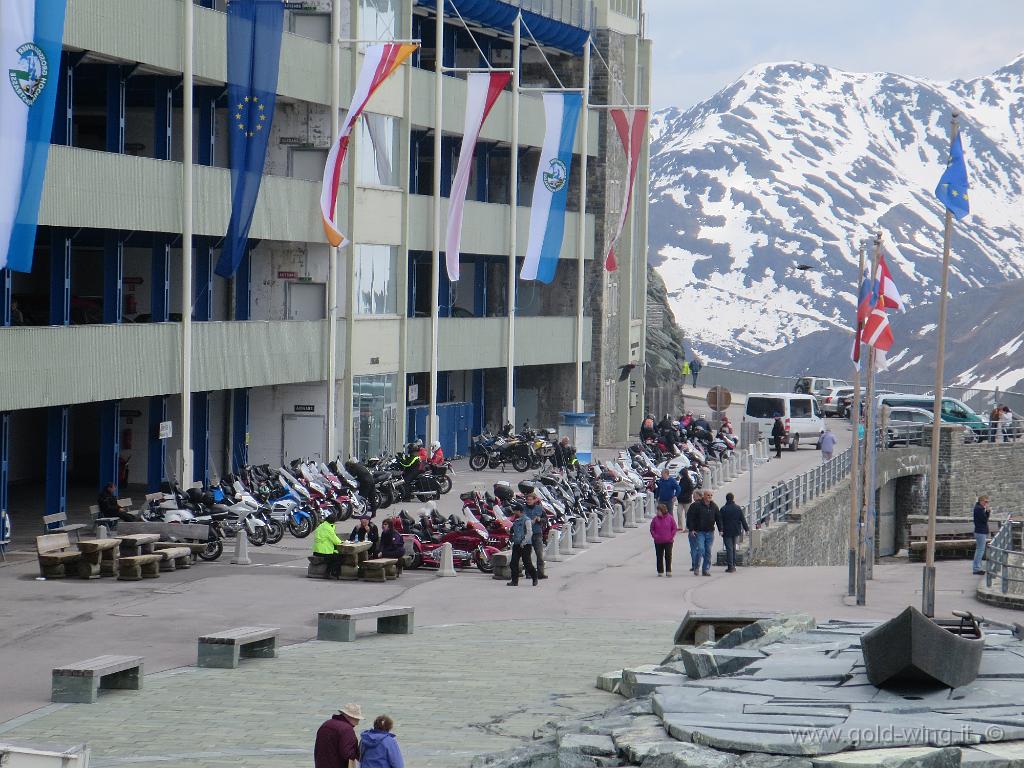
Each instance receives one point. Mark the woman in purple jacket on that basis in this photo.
(663, 531)
(379, 747)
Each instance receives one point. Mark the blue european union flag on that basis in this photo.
(952, 189)
(254, 51)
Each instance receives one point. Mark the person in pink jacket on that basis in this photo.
(663, 531)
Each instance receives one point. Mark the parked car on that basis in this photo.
(800, 414)
(815, 385)
(831, 400)
(953, 411)
(907, 426)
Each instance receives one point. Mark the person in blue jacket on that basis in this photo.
(378, 747)
(666, 489)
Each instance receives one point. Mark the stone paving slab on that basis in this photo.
(454, 691)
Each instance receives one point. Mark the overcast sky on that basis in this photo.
(700, 46)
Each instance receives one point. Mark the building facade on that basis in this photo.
(91, 386)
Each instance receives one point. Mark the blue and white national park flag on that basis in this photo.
(551, 188)
(31, 32)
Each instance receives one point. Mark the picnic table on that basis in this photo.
(99, 558)
(353, 554)
(135, 544)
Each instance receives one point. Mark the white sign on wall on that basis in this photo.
(166, 430)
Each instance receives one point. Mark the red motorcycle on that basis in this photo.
(469, 541)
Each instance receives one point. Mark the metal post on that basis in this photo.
(352, 158)
(750, 502)
(867, 493)
(510, 371)
(928, 580)
(581, 231)
(332, 252)
(435, 265)
(186, 251)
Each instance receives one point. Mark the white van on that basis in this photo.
(800, 414)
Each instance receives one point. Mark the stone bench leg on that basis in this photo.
(218, 656)
(372, 574)
(166, 565)
(391, 572)
(125, 680)
(72, 689)
(261, 649)
(130, 572)
(151, 570)
(108, 565)
(89, 566)
(395, 625)
(338, 630)
(185, 561)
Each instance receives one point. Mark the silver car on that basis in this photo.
(831, 401)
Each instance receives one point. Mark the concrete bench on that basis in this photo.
(951, 539)
(700, 625)
(341, 625)
(379, 569)
(137, 567)
(99, 558)
(174, 558)
(193, 547)
(55, 554)
(59, 523)
(223, 649)
(80, 683)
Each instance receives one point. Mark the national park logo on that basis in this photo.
(29, 81)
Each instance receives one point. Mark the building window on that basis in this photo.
(374, 415)
(376, 280)
(377, 145)
(378, 19)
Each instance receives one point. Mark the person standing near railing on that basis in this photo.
(981, 515)
(827, 443)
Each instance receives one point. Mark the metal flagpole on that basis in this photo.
(435, 270)
(865, 550)
(581, 232)
(332, 252)
(855, 451)
(928, 582)
(186, 251)
(352, 158)
(510, 371)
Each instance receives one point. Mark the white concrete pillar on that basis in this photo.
(651, 508)
(579, 539)
(618, 516)
(606, 531)
(447, 561)
(565, 541)
(551, 553)
(593, 537)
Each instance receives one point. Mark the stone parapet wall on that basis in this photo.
(821, 535)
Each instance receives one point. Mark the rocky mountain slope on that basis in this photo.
(796, 164)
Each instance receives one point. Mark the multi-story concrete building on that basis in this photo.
(93, 363)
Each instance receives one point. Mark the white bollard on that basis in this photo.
(565, 541)
(606, 531)
(618, 515)
(593, 537)
(241, 547)
(447, 561)
(630, 521)
(705, 474)
(551, 553)
(579, 538)
(651, 509)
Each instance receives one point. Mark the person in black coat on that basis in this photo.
(778, 435)
(981, 516)
(684, 497)
(731, 522)
(366, 531)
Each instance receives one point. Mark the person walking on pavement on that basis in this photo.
(378, 747)
(521, 549)
(685, 370)
(827, 443)
(981, 515)
(537, 516)
(663, 531)
(695, 367)
(701, 519)
(731, 523)
(684, 497)
(778, 435)
(666, 489)
(336, 745)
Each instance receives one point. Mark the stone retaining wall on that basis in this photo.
(819, 534)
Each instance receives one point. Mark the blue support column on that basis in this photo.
(242, 285)
(5, 456)
(478, 401)
(163, 91)
(480, 288)
(157, 447)
(61, 133)
(5, 296)
(56, 459)
(115, 108)
(201, 437)
(113, 276)
(239, 429)
(110, 444)
(60, 278)
(206, 103)
(202, 308)
(160, 298)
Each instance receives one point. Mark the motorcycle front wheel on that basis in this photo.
(478, 462)
(415, 561)
(485, 564)
(444, 483)
(300, 529)
(275, 531)
(520, 463)
(258, 536)
(385, 497)
(213, 550)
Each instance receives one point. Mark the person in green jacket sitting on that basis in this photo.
(325, 541)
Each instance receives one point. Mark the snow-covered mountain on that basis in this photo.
(797, 164)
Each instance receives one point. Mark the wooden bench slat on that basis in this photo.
(368, 612)
(98, 666)
(240, 635)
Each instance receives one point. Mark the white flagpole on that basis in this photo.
(855, 484)
(332, 252)
(581, 232)
(186, 251)
(436, 253)
(510, 371)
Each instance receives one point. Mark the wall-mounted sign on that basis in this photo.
(414, 392)
(132, 280)
(166, 430)
(374, 361)
(305, 408)
(129, 414)
(287, 275)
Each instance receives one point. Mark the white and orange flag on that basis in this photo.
(630, 125)
(379, 63)
(483, 89)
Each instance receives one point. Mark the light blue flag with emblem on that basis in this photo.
(952, 189)
(31, 32)
(551, 187)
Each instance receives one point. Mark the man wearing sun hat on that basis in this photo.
(336, 742)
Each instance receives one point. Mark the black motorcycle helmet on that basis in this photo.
(526, 487)
(503, 491)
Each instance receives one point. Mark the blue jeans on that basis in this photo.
(980, 539)
(700, 546)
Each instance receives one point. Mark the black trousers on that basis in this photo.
(730, 550)
(333, 563)
(663, 556)
(778, 446)
(538, 549)
(521, 552)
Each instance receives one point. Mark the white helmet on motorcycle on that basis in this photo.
(435, 445)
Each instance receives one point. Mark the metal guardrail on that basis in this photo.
(785, 497)
(1004, 558)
